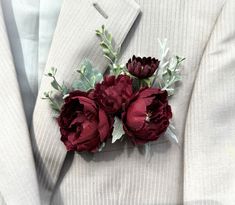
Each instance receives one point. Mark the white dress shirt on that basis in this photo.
(30, 25)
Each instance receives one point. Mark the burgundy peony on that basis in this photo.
(113, 92)
(146, 115)
(142, 67)
(83, 125)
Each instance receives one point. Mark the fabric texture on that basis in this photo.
(21, 19)
(30, 26)
(18, 181)
(210, 132)
(121, 175)
(200, 171)
(2, 202)
(83, 34)
(49, 12)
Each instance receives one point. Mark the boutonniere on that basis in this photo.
(130, 101)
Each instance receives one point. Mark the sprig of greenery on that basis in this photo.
(117, 69)
(61, 88)
(170, 134)
(88, 76)
(55, 101)
(118, 131)
(109, 50)
(107, 45)
(168, 73)
(171, 75)
(56, 107)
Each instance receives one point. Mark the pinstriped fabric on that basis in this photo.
(2, 202)
(209, 138)
(125, 177)
(122, 175)
(199, 30)
(173, 24)
(70, 45)
(49, 12)
(18, 183)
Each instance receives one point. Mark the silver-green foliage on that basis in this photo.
(55, 98)
(88, 76)
(118, 131)
(110, 51)
(168, 73)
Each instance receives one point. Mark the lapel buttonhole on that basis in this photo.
(100, 10)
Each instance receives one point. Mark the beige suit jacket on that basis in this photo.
(35, 167)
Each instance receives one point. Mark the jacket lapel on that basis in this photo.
(74, 40)
(18, 182)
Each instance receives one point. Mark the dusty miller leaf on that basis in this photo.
(54, 84)
(118, 131)
(168, 72)
(110, 51)
(88, 76)
(101, 147)
(171, 135)
(65, 90)
(107, 45)
(147, 151)
(54, 102)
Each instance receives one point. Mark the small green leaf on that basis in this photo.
(65, 90)
(178, 78)
(97, 32)
(169, 72)
(46, 94)
(109, 37)
(54, 106)
(55, 85)
(171, 135)
(136, 84)
(77, 85)
(52, 72)
(55, 114)
(101, 147)
(88, 77)
(106, 51)
(108, 45)
(104, 45)
(147, 151)
(179, 59)
(118, 131)
(146, 82)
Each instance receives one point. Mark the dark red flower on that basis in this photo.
(142, 67)
(83, 125)
(113, 92)
(146, 115)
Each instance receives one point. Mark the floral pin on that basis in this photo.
(131, 101)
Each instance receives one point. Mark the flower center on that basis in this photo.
(148, 116)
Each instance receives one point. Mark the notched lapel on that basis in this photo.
(74, 40)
